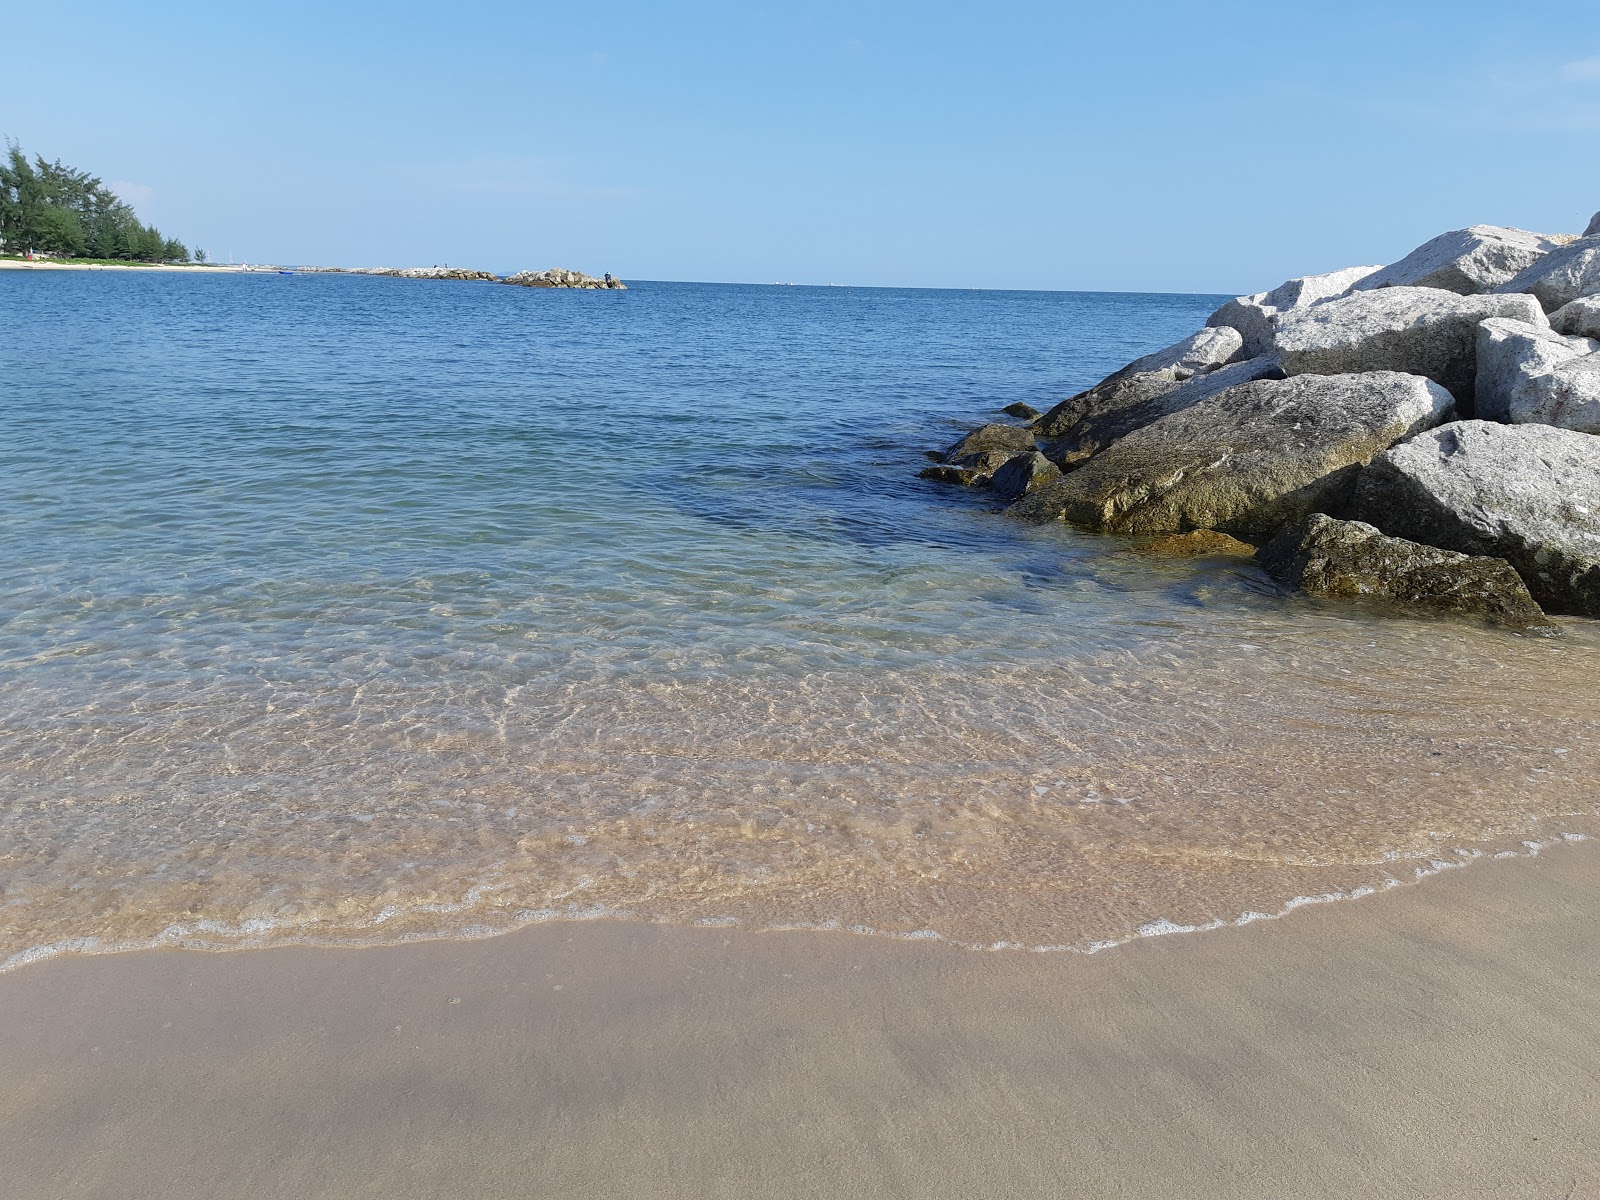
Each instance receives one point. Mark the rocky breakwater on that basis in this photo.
(560, 277)
(1426, 432)
(417, 272)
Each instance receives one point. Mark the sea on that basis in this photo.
(352, 610)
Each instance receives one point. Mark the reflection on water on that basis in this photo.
(366, 610)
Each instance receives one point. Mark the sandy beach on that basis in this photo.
(1433, 1041)
(13, 264)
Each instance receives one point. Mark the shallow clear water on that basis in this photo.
(360, 609)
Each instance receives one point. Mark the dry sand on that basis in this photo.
(12, 264)
(1439, 1041)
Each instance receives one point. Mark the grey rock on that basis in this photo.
(1580, 318)
(1421, 331)
(1566, 274)
(1256, 317)
(560, 277)
(1594, 226)
(1102, 415)
(1145, 379)
(1023, 412)
(1327, 557)
(1529, 494)
(974, 470)
(1022, 473)
(1246, 461)
(1527, 373)
(1467, 261)
(1007, 439)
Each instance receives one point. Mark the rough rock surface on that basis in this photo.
(1594, 226)
(1145, 379)
(1422, 331)
(1256, 317)
(1529, 494)
(560, 277)
(1467, 261)
(1246, 461)
(1566, 274)
(1022, 473)
(1581, 318)
(1326, 557)
(1202, 351)
(973, 470)
(1082, 427)
(1527, 373)
(1021, 411)
(1007, 439)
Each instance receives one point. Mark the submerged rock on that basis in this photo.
(1327, 557)
(1245, 461)
(1467, 261)
(1529, 494)
(1008, 439)
(1022, 473)
(1566, 274)
(560, 277)
(1023, 412)
(1256, 317)
(972, 470)
(1420, 331)
(1197, 543)
(1529, 374)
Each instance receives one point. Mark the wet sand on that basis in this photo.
(1440, 1040)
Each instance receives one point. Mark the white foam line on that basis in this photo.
(255, 932)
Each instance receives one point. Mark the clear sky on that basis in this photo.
(1122, 145)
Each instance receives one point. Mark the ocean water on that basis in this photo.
(342, 609)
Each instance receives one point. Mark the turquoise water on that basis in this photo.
(355, 609)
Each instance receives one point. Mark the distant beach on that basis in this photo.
(14, 264)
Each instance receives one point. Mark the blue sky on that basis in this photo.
(1144, 146)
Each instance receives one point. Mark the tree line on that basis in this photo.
(51, 208)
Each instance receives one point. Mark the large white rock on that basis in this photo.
(1566, 274)
(1256, 317)
(1529, 494)
(1247, 461)
(1467, 261)
(1528, 373)
(1581, 318)
(1203, 351)
(1421, 331)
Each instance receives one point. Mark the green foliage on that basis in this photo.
(51, 208)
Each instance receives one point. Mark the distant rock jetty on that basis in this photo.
(555, 277)
(415, 272)
(560, 277)
(1426, 432)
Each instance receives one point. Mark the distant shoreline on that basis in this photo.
(15, 264)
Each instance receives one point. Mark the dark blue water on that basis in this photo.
(341, 607)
